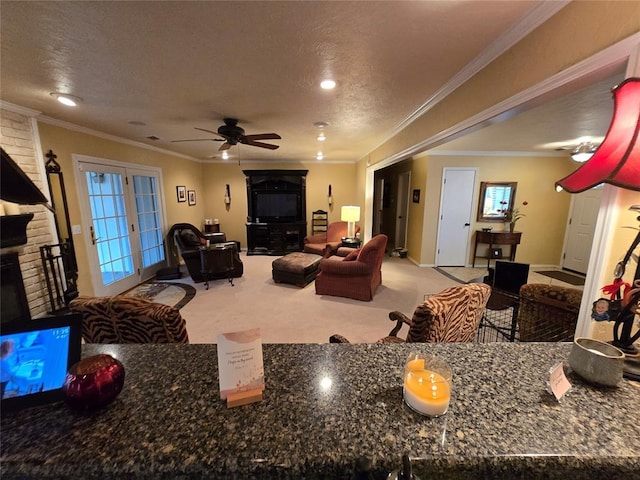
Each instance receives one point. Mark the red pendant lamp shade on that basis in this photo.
(617, 160)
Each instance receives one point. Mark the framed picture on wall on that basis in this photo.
(181, 192)
(191, 195)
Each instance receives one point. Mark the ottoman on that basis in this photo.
(297, 268)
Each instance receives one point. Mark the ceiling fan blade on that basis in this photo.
(198, 140)
(263, 136)
(208, 131)
(259, 144)
(225, 146)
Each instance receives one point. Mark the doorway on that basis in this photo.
(456, 210)
(123, 215)
(402, 209)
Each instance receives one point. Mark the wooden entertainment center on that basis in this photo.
(276, 219)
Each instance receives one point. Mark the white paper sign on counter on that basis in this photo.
(240, 362)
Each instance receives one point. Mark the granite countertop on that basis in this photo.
(170, 422)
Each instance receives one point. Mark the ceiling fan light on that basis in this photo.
(225, 155)
(583, 152)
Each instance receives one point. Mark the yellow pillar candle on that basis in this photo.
(426, 391)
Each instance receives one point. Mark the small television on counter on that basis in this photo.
(277, 207)
(36, 356)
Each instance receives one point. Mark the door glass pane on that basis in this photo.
(145, 190)
(110, 226)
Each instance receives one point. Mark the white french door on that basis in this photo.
(148, 207)
(122, 215)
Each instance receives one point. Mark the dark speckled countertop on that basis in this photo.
(169, 422)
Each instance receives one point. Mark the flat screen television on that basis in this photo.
(270, 207)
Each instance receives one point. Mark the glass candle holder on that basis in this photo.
(427, 384)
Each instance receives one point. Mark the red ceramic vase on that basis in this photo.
(93, 382)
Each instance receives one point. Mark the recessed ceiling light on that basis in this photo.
(321, 124)
(328, 84)
(137, 123)
(66, 99)
(321, 137)
(319, 156)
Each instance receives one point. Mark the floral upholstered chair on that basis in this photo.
(452, 315)
(123, 319)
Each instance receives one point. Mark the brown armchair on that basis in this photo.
(452, 315)
(548, 313)
(354, 276)
(326, 243)
(123, 319)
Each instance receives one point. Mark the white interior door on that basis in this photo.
(456, 210)
(402, 209)
(581, 228)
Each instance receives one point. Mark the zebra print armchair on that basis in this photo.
(452, 315)
(123, 319)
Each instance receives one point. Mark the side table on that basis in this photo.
(216, 259)
(496, 238)
(350, 242)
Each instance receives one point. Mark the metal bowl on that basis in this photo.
(597, 362)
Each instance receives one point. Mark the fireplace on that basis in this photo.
(14, 305)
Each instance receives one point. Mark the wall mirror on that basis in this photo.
(495, 198)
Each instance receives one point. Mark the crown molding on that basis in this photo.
(12, 107)
(113, 138)
(504, 42)
(612, 55)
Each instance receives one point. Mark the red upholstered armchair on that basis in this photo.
(356, 277)
(326, 243)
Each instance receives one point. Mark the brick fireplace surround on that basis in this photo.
(19, 138)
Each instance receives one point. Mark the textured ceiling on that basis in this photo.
(174, 66)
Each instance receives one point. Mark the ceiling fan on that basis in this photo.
(232, 134)
(581, 152)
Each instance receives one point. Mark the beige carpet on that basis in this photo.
(288, 314)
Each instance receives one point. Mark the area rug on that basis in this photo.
(463, 274)
(168, 293)
(563, 276)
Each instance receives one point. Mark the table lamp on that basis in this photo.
(350, 214)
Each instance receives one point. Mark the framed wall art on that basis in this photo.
(191, 196)
(181, 192)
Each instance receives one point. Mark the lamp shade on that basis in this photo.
(350, 213)
(617, 160)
